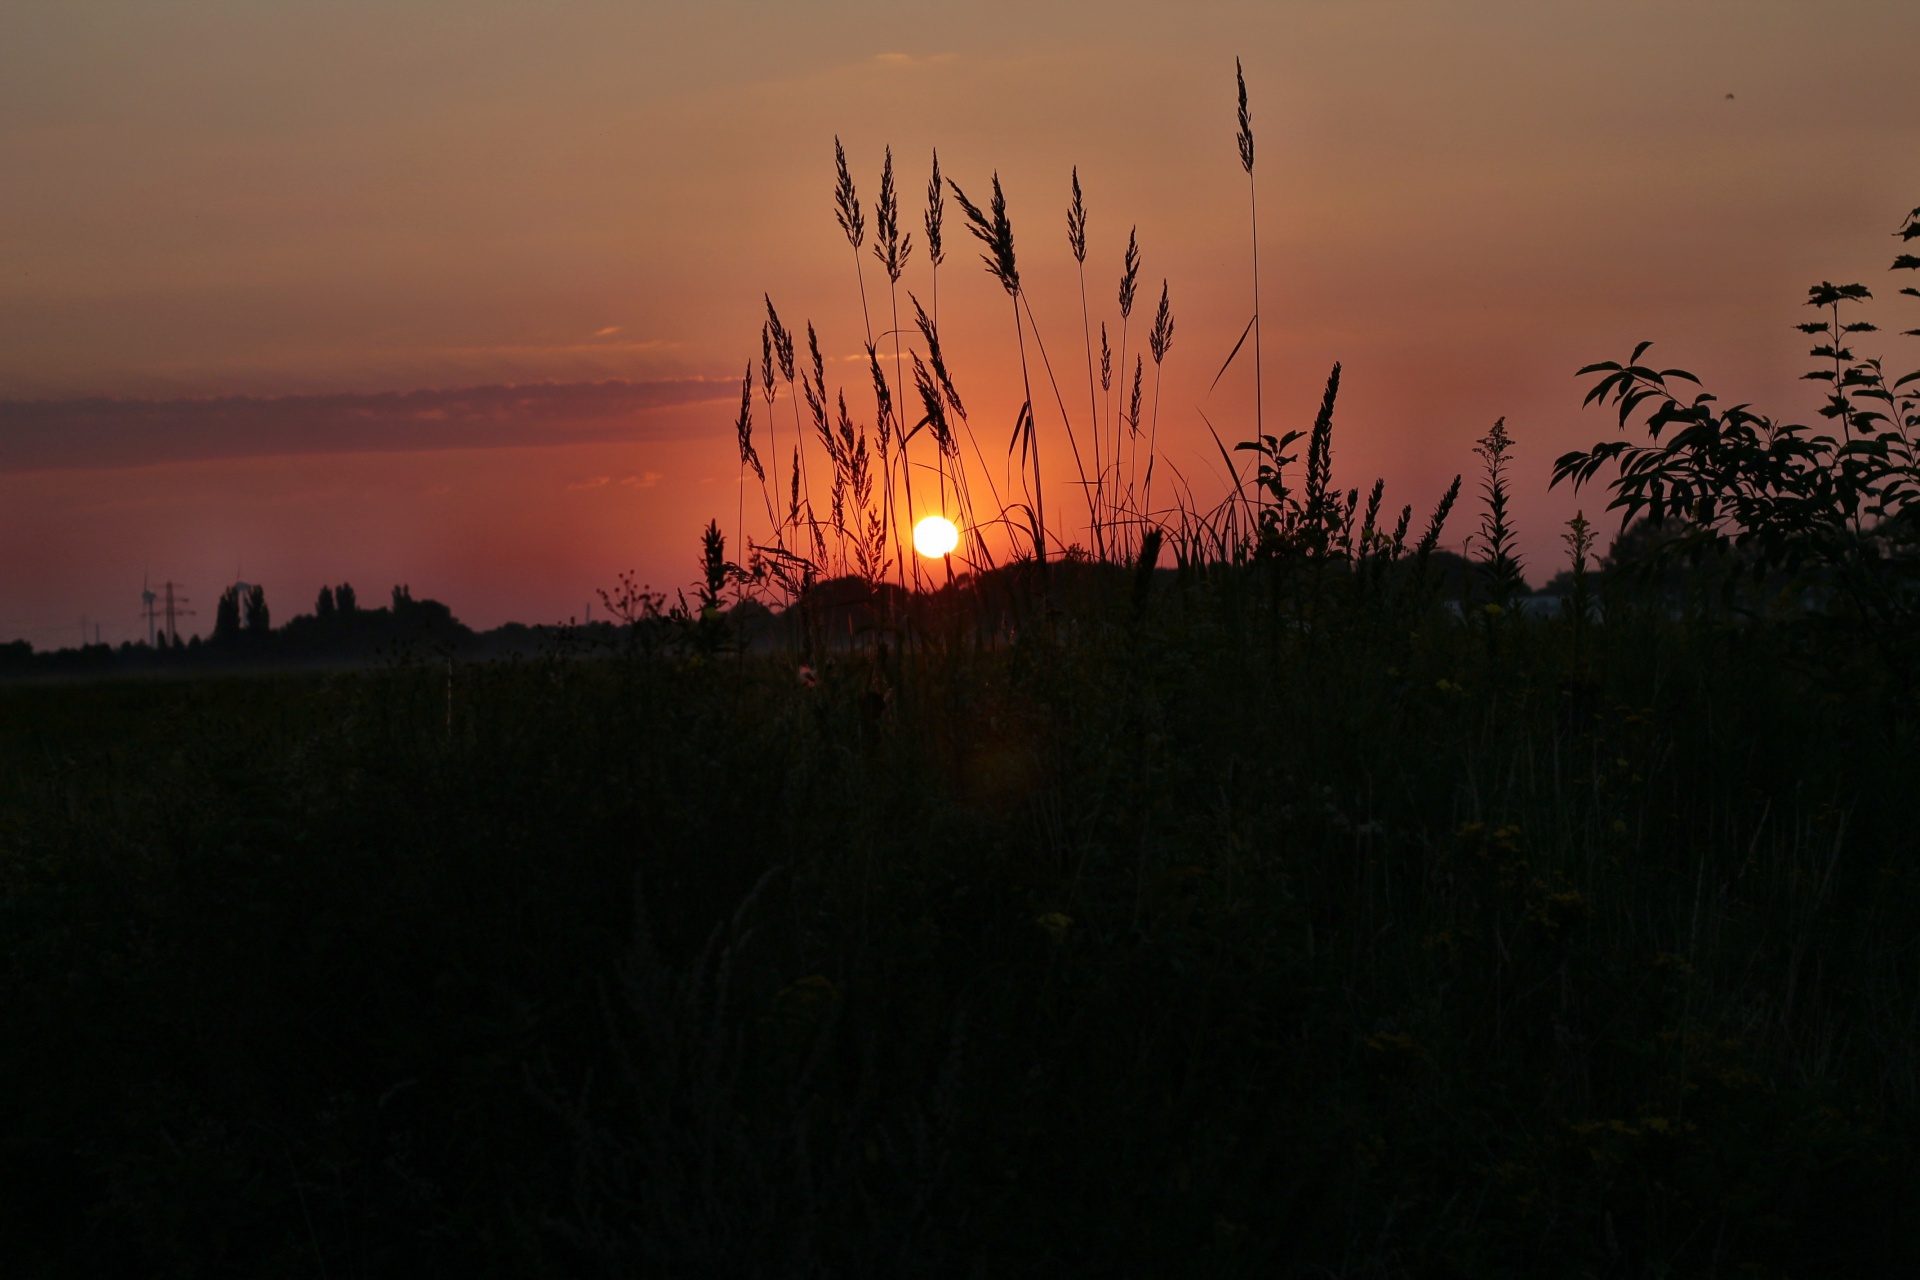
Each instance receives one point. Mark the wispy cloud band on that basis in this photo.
(98, 433)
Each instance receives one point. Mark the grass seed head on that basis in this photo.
(1245, 136)
(1077, 222)
(992, 229)
(936, 214)
(846, 202)
(1161, 339)
(743, 427)
(888, 246)
(930, 333)
(1133, 401)
(1130, 274)
(782, 341)
(766, 362)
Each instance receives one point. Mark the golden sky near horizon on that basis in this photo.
(1462, 202)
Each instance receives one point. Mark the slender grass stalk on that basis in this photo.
(1077, 241)
(1106, 386)
(816, 395)
(1066, 419)
(893, 250)
(744, 428)
(930, 333)
(996, 233)
(1245, 139)
(1160, 340)
(885, 424)
(853, 222)
(769, 393)
(783, 354)
(934, 222)
(1133, 443)
(1129, 281)
(749, 456)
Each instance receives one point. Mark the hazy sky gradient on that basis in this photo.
(336, 201)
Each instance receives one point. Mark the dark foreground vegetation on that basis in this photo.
(1183, 935)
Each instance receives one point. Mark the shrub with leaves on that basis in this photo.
(1835, 503)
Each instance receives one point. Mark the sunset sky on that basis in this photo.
(459, 295)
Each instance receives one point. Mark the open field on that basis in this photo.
(1194, 936)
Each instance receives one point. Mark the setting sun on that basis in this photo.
(935, 536)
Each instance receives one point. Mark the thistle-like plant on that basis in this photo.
(1579, 540)
(1498, 557)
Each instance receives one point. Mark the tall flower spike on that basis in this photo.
(846, 203)
(1246, 120)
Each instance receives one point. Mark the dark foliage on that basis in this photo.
(1192, 944)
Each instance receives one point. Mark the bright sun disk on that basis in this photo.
(935, 537)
